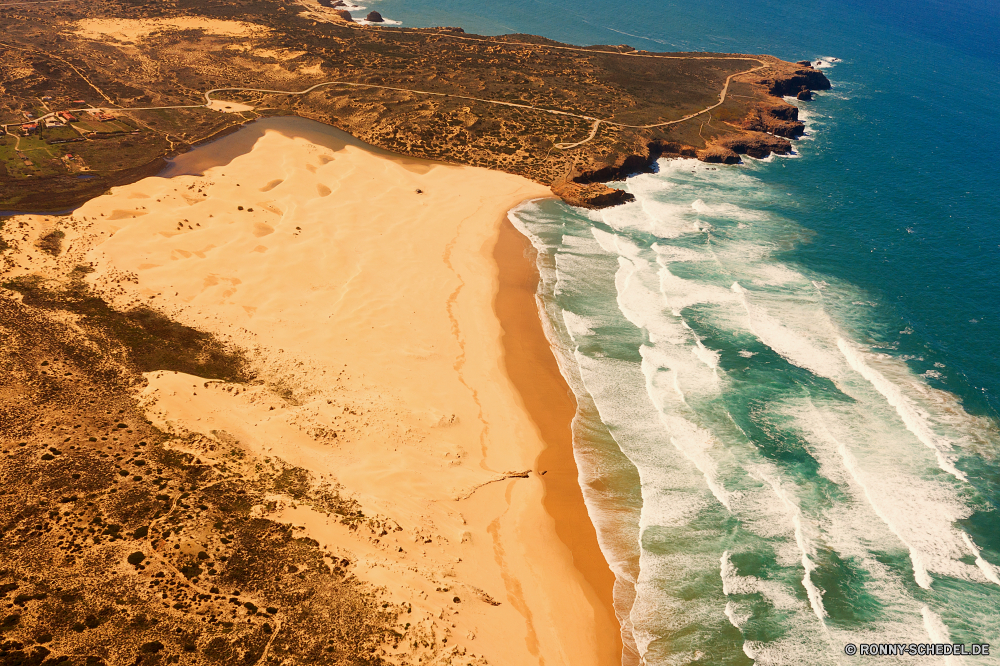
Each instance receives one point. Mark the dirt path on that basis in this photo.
(561, 146)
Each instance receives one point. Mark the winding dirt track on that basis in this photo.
(561, 146)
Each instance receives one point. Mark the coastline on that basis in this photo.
(550, 403)
(364, 289)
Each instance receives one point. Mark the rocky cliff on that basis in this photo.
(756, 128)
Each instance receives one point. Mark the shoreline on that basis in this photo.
(549, 401)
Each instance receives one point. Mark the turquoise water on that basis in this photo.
(788, 370)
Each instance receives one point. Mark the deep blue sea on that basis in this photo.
(789, 370)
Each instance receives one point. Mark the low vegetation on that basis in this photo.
(432, 102)
(118, 547)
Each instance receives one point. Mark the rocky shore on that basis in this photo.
(766, 128)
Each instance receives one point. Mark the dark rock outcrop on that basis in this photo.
(374, 17)
(757, 144)
(619, 170)
(346, 15)
(590, 195)
(783, 111)
(813, 79)
(805, 95)
(754, 144)
(781, 120)
(716, 154)
(804, 63)
(586, 188)
(766, 129)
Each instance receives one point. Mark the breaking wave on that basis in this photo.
(766, 483)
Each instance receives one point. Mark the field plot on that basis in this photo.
(55, 134)
(103, 127)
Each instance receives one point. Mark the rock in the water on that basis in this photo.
(374, 17)
(346, 15)
(780, 119)
(805, 95)
(590, 195)
(718, 155)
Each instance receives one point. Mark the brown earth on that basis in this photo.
(118, 547)
(428, 93)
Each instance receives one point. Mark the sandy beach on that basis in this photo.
(395, 359)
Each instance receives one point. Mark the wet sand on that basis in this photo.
(549, 401)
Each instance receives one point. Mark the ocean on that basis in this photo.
(788, 370)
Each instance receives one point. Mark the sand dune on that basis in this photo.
(364, 287)
(132, 30)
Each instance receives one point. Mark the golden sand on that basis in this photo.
(369, 309)
(133, 30)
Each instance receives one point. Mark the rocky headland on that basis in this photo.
(767, 127)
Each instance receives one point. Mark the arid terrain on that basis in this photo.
(261, 416)
(114, 546)
(566, 117)
(227, 433)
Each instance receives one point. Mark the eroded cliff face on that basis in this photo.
(757, 128)
(804, 78)
(769, 123)
(753, 144)
(781, 119)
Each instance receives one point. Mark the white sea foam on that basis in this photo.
(671, 495)
(707, 356)
(577, 326)
(911, 415)
(610, 520)
(810, 117)
(776, 275)
(639, 301)
(735, 618)
(615, 244)
(989, 571)
(666, 264)
(791, 345)
(679, 293)
(666, 254)
(938, 632)
(693, 442)
(920, 574)
(384, 21)
(805, 546)
(920, 512)
(727, 210)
